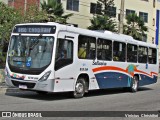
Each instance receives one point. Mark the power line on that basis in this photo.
(151, 29)
(84, 5)
(80, 18)
(80, 14)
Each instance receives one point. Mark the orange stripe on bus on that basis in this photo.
(122, 70)
(109, 68)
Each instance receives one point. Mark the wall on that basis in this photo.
(23, 4)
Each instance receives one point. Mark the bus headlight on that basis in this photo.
(45, 76)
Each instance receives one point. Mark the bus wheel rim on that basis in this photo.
(79, 87)
(134, 85)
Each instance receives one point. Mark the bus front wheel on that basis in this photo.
(41, 92)
(79, 88)
(135, 84)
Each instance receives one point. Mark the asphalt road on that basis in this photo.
(146, 99)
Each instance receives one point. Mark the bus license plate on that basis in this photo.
(23, 86)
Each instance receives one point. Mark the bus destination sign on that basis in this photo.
(35, 29)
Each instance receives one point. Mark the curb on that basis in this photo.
(4, 90)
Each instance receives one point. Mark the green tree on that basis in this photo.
(100, 22)
(135, 27)
(106, 7)
(8, 18)
(11, 16)
(103, 20)
(55, 11)
(33, 14)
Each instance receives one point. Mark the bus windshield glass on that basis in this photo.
(30, 52)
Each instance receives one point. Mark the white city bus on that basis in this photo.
(50, 57)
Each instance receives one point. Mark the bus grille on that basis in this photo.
(29, 85)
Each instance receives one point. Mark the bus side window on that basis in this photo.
(142, 54)
(131, 53)
(82, 51)
(86, 47)
(119, 51)
(104, 49)
(64, 53)
(152, 59)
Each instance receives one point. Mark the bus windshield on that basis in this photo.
(30, 52)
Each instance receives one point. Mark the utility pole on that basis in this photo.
(120, 29)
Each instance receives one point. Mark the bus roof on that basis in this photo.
(96, 33)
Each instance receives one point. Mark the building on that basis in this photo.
(23, 4)
(84, 10)
(149, 10)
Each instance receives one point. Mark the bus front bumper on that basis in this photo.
(47, 85)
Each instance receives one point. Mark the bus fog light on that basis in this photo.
(45, 76)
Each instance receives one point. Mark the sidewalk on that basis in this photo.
(6, 89)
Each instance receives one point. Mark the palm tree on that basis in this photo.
(55, 11)
(107, 5)
(135, 27)
(103, 19)
(100, 22)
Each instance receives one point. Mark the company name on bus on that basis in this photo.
(98, 63)
(34, 30)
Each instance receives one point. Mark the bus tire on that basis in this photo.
(134, 84)
(79, 88)
(41, 92)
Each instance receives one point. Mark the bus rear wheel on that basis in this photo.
(79, 88)
(135, 84)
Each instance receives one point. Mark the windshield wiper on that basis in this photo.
(36, 42)
(33, 45)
